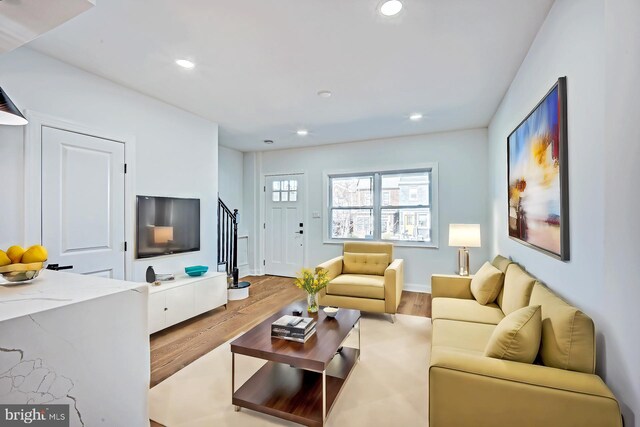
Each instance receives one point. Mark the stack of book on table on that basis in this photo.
(293, 328)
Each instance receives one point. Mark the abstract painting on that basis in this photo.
(538, 177)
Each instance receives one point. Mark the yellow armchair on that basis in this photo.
(365, 277)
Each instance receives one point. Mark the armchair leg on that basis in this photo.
(392, 318)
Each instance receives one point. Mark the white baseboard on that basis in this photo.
(418, 287)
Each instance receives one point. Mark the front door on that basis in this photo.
(284, 225)
(83, 206)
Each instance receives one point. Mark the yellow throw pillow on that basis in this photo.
(362, 263)
(486, 284)
(517, 336)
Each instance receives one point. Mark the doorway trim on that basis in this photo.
(33, 177)
(263, 217)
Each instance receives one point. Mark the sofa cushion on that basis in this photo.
(517, 289)
(357, 285)
(466, 310)
(364, 263)
(568, 335)
(486, 284)
(517, 336)
(369, 248)
(501, 263)
(467, 336)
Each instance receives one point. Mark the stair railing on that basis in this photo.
(228, 240)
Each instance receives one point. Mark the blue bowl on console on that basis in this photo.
(196, 270)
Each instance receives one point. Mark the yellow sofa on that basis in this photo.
(467, 388)
(365, 277)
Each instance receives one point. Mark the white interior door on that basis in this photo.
(83, 207)
(284, 227)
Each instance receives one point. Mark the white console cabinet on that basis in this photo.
(185, 297)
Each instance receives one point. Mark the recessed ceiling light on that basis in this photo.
(268, 141)
(302, 132)
(324, 94)
(185, 63)
(415, 117)
(391, 7)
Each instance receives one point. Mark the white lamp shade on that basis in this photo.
(464, 235)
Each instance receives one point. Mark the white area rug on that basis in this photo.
(388, 387)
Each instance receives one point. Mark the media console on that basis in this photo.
(185, 297)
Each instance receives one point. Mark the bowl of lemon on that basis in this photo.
(19, 265)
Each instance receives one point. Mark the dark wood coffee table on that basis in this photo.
(299, 382)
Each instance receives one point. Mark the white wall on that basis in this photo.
(620, 348)
(571, 43)
(230, 178)
(461, 158)
(176, 152)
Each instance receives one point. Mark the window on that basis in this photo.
(285, 191)
(388, 206)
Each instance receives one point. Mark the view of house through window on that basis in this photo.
(392, 206)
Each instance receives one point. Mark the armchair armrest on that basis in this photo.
(334, 267)
(393, 285)
(501, 392)
(451, 286)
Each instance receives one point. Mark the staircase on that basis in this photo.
(228, 240)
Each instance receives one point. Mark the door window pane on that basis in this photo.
(352, 223)
(284, 185)
(285, 196)
(293, 185)
(275, 196)
(276, 185)
(293, 196)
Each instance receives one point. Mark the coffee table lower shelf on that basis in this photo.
(295, 394)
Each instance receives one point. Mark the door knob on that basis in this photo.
(299, 232)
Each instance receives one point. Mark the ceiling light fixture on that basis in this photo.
(324, 94)
(185, 63)
(415, 117)
(302, 132)
(391, 7)
(268, 141)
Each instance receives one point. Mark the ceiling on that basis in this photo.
(260, 63)
(23, 20)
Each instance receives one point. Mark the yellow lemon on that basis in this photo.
(4, 259)
(15, 254)
(35, 253)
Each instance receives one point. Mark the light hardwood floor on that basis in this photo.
(174, 348)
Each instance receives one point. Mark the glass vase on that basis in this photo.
(312, 303)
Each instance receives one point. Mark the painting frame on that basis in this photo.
(562, 252)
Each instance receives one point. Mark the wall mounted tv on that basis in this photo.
(167, 225)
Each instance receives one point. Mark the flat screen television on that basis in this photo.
(167, 225)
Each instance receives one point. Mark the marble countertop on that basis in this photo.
(54, 289)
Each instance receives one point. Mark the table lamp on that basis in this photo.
(464, 236)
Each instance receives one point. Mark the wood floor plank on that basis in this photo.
(176, 347)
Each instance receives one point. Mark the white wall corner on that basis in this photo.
(423, 288)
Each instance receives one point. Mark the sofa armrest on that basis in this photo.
(334, 268)
(501, 392)
(393, 285)
(451, 286)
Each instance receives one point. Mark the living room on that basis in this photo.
(374, 136)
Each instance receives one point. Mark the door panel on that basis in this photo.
(83, 207)
(157, 311)
(180, 302)
(284, 225)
